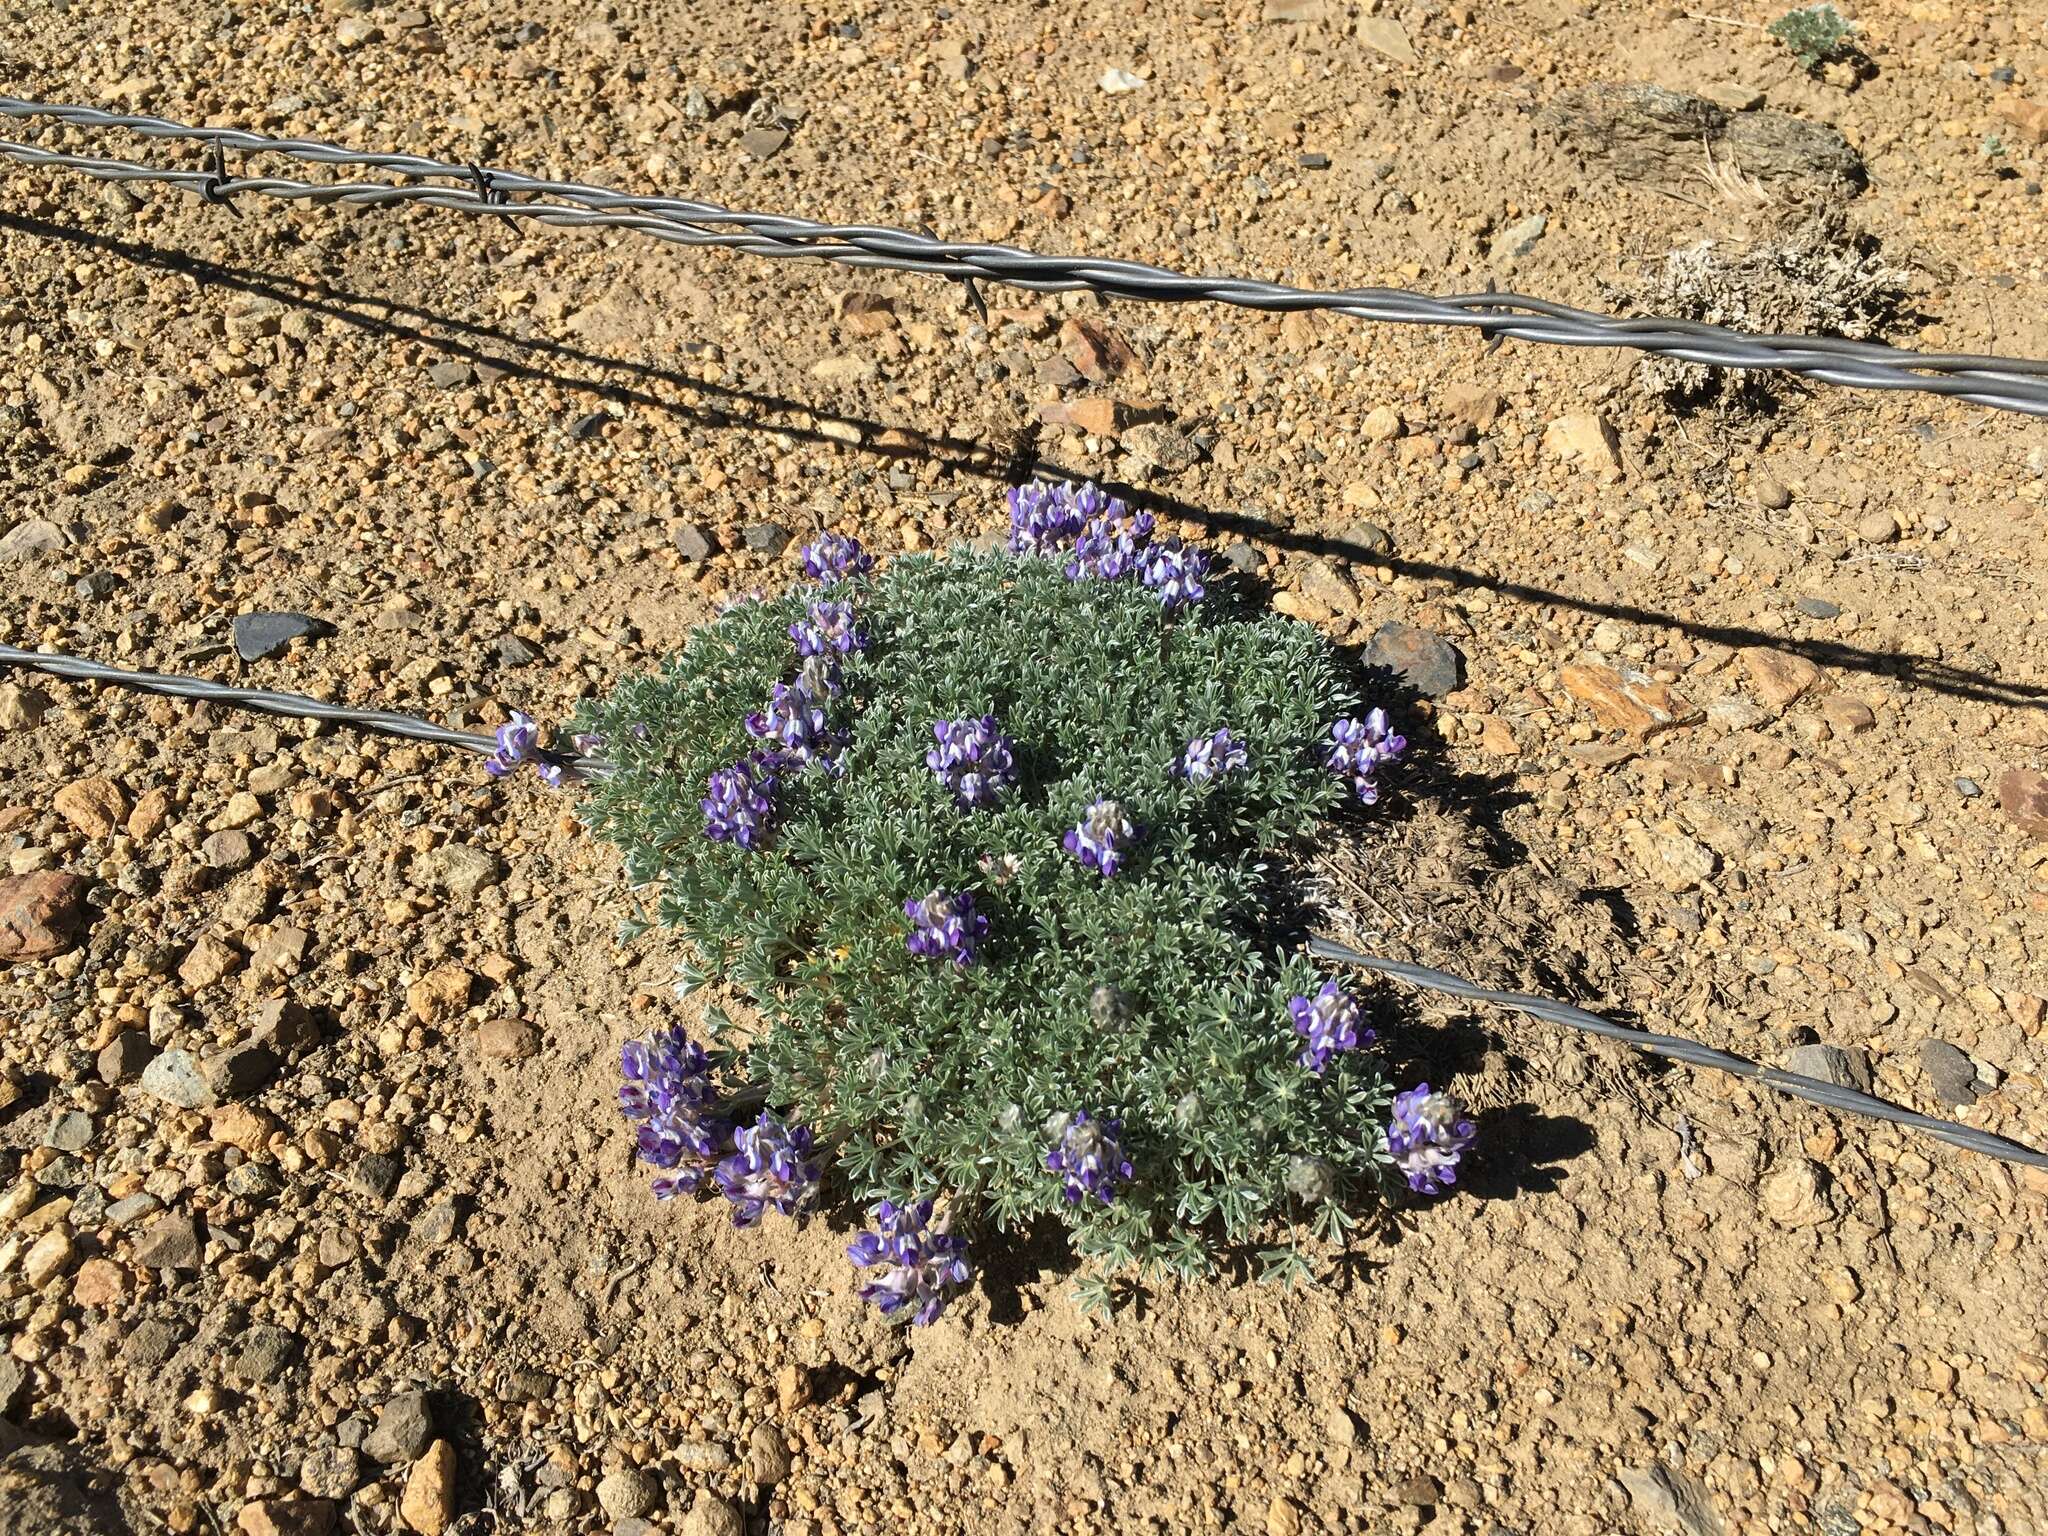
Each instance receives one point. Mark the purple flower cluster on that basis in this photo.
(770, 1167)
(795, 721)
(1101, 836)
(973, 759)
(519, 742)
(920, 1263)
(737, 807)
(1359, 747)
(945, 926)
(830, 629)
(1174, 571)
(1210, 757)
(831, 557)
(1425, 1139)
(1045, 517)
(1110, 546)
(1328, 1023)
(1089, 1154)
(667, 1089)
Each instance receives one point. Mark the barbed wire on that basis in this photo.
(2009, 384)
(1816, 1090)
(391, 723)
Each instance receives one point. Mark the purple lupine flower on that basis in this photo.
(795, 721)
(1210, 757)
(770, 1166)
(1043, 518)
(1359, 747)
(1328, 1023)
(1089, 1154)
(831, 556)
(921, 1263)
(518, 742)
(588, 743)
(973, 759)
(666, 1087)
(1100, 837)
(1426, 1137)
(1175, 570)
(736, 804)
(1111, 546)
(829, 629)
(945, 926)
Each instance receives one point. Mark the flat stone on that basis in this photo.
(767, 1456)
(514, 652)
(1098, 354)
(764, 143)
(405, 1426)
(1421, 1490)
(451, 375)
(1831, 1064)
(713, 1516)
(1384, 35)
(229, 850)
(21, 709)
(41, 914)
(506, 1040)
(375, 1175)
(765, 538)
(37, 536)
(1779, 678)
(1321, 582)
(70, 1131)
(1950, 1073)
(210, 960)
(13, 1377)
(151, 1343)
(331, 1471)
(1586, 439)
(2022, 795)
(172, 1242)
(1846, 716)
(1520, 238)
(259, 636)
(1818, 608)
(287, 1517)
(128, 1211)
(1423, 659)
(48, 1257)
(284, 1027)
(1673, 860)
(1627, 701)
(694, 542)
(260, 1355)
(175, 1078)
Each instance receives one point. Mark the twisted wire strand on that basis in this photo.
(299, 706)
(2011, 384)
(1814, 1089)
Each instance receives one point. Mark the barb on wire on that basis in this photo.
(1814, 1089)
(2009, 384)
(268, 701)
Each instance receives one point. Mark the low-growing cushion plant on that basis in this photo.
(988, 841)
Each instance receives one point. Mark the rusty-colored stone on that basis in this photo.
(1627, 701)
(41, 914)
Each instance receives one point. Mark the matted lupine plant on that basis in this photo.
(987, 840)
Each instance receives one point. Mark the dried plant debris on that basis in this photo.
(1811, 277)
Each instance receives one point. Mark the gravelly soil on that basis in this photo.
(1738, 690)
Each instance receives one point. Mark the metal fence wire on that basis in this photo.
(1672, 1047)
(2007, 384)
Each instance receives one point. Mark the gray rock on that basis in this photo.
(281, 1025)
(451, 375)
(128, 1211)
(628, 1493)
(1818, 608)
(1370, 537)
(64, 1171)
(1671, 1499)
(240, 1070)
(405, 1426)
(1950, 1073)
(437, 1225)
(1520, 238)
(125, 1056)
(713, 1516)
(694, 542)
(254, 1181)
(151, 1343)
(1646, 133)
(175, 1078)
(767, 1456)
(259, 636)
(1422, 658)
(1240, 556)
(515, 652)
(375, 1176)
(701, 1456)
(228, 850)
(71, 1131)
(1831, 1064)
(260, 1355)
(13, 1377)
(762, 143)
(331, 1471)
(173, 1242)
(765, 538)
(96, 584)
(37, 536)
